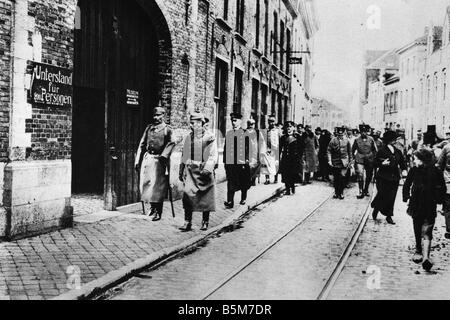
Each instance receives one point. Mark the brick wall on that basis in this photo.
(50, 128)
(5, 72)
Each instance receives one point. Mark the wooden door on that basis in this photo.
(117, 52)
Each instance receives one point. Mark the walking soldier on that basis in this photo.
(365, 149)
(197, 172)
(339, 158)
(290, 149)
(236, 160)
(153, 162)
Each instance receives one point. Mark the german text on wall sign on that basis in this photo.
(51, 85)
(132, 97)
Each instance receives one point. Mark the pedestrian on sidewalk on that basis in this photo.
(153, 162)
(198, 160)
(444, 165)
(324, 169)
(390, 162)
(339, 158)
(270, 158)
(424, 188)
(290, 150)
(254, 140)
(235, 158)
(311, 146)
(364, 149)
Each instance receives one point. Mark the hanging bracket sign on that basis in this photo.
(132, 97)
(51, 86)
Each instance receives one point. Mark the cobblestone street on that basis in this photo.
(99, 243)
(296, 269)
(390, 248)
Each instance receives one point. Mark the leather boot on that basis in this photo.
(152, 211)
(361, 194)
(205, 221)
(389, 220)
(187, 226)
(158, 213)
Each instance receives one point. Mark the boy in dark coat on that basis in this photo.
(424, 188)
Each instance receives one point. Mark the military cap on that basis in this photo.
(340, 130)
(197, 116)
(318, 129)
(289, 123)
(159, 110)
(236, 115)
(364, 127)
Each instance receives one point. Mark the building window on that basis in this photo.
(240, 14)
(275, 38)
(401, 99)
(255, 94)
(444, 85)
(412, 97)
(288, 50)
(406, 99)
(237, 97)
(257, 22)
(428, 89)
(407, 67)
(396, 101)
(220, 97)
(282, 49)
(421, 92)
(225, 9)
(263, 106)
(435, 81)
(266, 27)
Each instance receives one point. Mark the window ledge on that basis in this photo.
(224, 24)
(257, 52)
(240, 38)
(265, 59)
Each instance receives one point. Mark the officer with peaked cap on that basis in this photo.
(153, 162)
(235, 158)
(198, 161)
(365, 149)
(339, 158)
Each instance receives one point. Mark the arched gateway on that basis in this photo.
(122, 70)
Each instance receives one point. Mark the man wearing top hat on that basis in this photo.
(339, 159)
(153, 162)
(364, 149)
(198, 161)
(236, 160)
(389, 161)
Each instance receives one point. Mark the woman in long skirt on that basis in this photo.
(390, 162)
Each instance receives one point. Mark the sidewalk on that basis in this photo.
(106, 247)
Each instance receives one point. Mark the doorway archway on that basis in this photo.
(122, 70)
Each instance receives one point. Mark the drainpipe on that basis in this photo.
(192, 57)
(206, 51)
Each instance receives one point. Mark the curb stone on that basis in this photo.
(112, 278)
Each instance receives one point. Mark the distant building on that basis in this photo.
(326, 115)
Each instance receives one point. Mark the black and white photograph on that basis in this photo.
(224, 151)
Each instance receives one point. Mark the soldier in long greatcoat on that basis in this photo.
(290, 149)
(197, 172)
(364, 149)
(339, 158)
(153, 162)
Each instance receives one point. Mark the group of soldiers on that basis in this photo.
(294, 151)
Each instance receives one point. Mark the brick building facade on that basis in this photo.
(121, 59)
